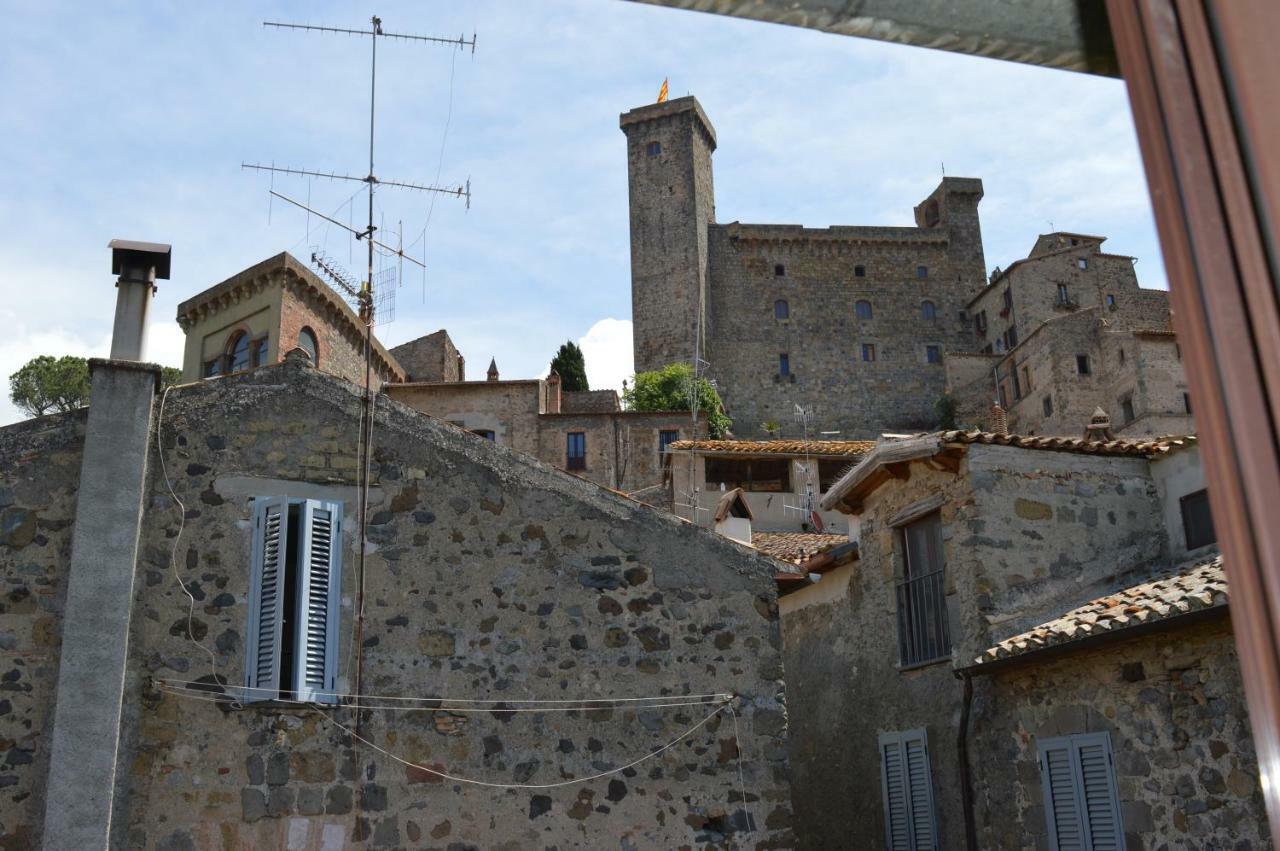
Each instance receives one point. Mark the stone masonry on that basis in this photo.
(488, 575)
(768, 291)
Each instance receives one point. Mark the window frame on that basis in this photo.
(316, 569)
(933, 353)
(666, 437)
(859, 271)
(306, 333)
(1196, 498)
(784, 364)
(900, 744)
(1083, 361)
(922, 272)
(229, 353)
(574, 461)
(781, 310)
(921, 593)
(653, 148)
(858, 310)
(868, 349)
(1072, 745)
(929, 310)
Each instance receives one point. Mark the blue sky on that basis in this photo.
(131, 120)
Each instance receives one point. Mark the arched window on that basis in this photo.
(307, 342)
(781, 310)
(238, 352)
(862, 309)
(928, 311)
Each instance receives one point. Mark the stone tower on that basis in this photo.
(669, 149)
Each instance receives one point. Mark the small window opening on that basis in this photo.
(666, 437)
(1122, 356)
(928, 311)
(868, 352)
(784, 364)
(779, 270)
(862, 309)
(933, 354)
(859, 271)
(1186, 402)
(781, 310)
(1126, 409)
(653, 149)
(1082, 263)
(1197, 520)
(1111, 301)
(1082, 364)
(576, 450)
(1048, 406)
(922, 271)
(307, 342)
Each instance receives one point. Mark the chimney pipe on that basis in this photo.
(138, 265)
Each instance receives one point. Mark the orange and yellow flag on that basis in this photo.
(662, 92)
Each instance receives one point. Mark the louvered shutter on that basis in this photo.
(1082, 806)
(319, 593)
(266, 598)
(908, 792)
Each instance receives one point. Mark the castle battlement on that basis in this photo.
(853, 234)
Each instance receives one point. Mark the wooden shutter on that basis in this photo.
(907, 786)
(1081, 801)
(319, 593)
(266, 598)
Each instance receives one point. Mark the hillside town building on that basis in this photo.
(207, 645)
(1040, 633)
(867, 328)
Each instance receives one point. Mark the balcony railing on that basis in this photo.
(923, 635)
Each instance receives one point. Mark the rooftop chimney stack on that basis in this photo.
(138, 265)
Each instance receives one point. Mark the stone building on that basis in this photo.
(1068, 330)
(976, 549)
(489, 577)
(257, 316)
(851, 323)
(782, 481)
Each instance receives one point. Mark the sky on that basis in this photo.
(132, 121)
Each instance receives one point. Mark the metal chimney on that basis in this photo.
(138, 265)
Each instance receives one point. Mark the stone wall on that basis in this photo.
(590, 401)
(1173, 704)
(39, 477)
(431, 358)
(489, 575)
(1027, 535)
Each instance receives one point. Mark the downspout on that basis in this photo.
(966, 776)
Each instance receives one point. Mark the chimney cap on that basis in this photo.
(155, 254)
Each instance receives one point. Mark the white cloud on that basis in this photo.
(606, 347)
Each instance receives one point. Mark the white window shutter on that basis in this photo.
(319, 594)
(907, 785)
(1082, 804)
(266, 598)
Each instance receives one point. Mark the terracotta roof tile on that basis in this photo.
(795, 547)
(1143, 447)
(1199, 586)
(839, 448)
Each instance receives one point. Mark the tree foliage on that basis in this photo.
(46, 383)
(571, 366)
(672, 389)
(945, 408)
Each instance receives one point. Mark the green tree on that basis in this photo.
(48, 384)
(945, 408)
(671, 389)
(571, 367)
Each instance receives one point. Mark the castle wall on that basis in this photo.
(822, 336)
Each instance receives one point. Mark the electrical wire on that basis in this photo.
(173, 553)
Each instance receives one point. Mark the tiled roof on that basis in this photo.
(840, 448)
(795, 547)
(1145, 447)
(1198, 586)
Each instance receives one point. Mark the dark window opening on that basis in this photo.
(868, 352)
(576, 451)
(784, 364)
(1064, 295)
(1111, 301)
(238, 353)
(922, 271)
(213, 367)
(1048, 406)
(933, 354)
(1186, 402)
(859, 271)
(1013, 336)
(862, 309)
(1082, 263)
(781, 310)
(923, 633)
(1007, 299)
(307, 342)
(666, 437)
(980, 321)
(653, 148)
(830, 471)
(928, 311)
(486, 433)
(1004, 395)
(779, 270)
(1017, 386)
(1075, 241)
(1082, 364)
(1122, 356)
(771, 475)
(288, 612)
(260, 351)
(1197, 520)
(1126, 409)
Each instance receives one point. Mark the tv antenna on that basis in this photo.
(365, 296)
(364, 293)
